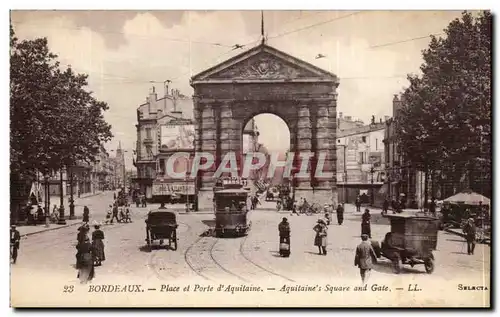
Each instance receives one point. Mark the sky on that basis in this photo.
(125, 53)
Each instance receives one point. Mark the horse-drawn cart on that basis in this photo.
(161, 225)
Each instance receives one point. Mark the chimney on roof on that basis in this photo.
(340, 115)
(152, 100)
(386, 118)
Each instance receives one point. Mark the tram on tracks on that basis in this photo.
(230, 204)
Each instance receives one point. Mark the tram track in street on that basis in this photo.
(207, 249)
(154, 258)
(210, 250)
(242, 244)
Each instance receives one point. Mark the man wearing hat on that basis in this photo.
(470, 235)
(321, 236)
(15, 238)
(284, 232)
(365, 223)
(340, 214)
(363, 258)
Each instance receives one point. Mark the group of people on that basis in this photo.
(121, 214)
(364, 251)
(89, 253)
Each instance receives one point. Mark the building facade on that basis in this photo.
(164, 127)
(403, 180)
(119, 176)
(361, 162)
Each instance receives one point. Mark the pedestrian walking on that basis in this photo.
(385, 206)
(366, 223)
(358, 204)
(86, 268)
(321, 239)
(294, 208)
(15, 238)
(98, 245)
(115, 214)
(40, 215)
(340, 214)
(86, 214)
(470, 235)
(363, 258)
(284, 232)
(80, 237)
(144, 203)
(328, 215)
(432, 207)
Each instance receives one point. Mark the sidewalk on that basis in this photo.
(31, 230)
(27, 230)
(55, 200)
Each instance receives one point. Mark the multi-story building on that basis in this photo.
(103, 171)
(360, 161)
(119, 175)
(164, 126)
(403, 180)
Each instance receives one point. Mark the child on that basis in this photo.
(108, 215)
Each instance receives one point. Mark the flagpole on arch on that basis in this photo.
(263, 37)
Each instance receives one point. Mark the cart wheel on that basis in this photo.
(429, 265)
(397, 264)
(174, 240)
(218, 233)
(376, 247)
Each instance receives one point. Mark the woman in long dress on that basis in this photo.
(86, 269)
(98, 246)
(321, 236)
(81, 237)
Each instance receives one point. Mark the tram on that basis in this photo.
(230, 204)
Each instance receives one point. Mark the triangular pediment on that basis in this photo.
(263, 63)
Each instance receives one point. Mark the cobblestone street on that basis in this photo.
(253, 259)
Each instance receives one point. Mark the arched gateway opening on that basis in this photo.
(266, 80)
(268, 135)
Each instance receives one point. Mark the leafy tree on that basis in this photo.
(55, 121)
(445, 123)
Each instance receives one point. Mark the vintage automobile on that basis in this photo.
(161, 225)
(411, 241)
(231, 210)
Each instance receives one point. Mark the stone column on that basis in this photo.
(208, 144)
(303, 146)
(332, 115)
(325, 147)
(229, 133)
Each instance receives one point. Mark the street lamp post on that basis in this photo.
(71, 196)
(61, 221)
(372, 171)
(47, 199)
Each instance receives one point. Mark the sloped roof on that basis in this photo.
(266, 63)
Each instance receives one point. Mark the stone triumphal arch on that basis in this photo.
(266, 80)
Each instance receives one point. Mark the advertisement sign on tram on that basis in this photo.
(165, 189)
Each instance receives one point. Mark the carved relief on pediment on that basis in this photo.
(264, 66)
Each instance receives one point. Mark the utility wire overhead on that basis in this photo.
(315, 25)
(407, 40)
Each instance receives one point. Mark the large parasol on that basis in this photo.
(468, 198)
